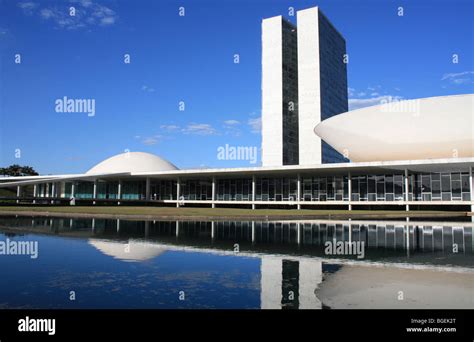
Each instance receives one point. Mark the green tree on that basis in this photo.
(17, 170)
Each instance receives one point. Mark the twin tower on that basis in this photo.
(304, 81)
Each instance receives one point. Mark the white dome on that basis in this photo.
(427, 128)
(132, 162)
(132, 251)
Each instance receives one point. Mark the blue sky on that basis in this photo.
(190, 58)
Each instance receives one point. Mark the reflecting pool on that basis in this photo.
(106, 263)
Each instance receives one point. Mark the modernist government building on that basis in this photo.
(315, 153)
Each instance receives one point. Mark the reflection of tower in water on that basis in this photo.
(289, 283)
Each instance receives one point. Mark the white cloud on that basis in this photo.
(86, 3)
(199, 129)
(148, 89)
(231, 122)
(170, 128)
(369, 97)
(255, 125)
(464, 77)
(87, 14)
(46, 13)
(107, 20)
(450, 76)
(150, 141)
(462, 81)
(28, 7)
(232, 127)
(361, 103)
(153, 140)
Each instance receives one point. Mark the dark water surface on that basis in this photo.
(167, 264)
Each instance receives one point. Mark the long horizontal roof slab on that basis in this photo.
(4, 183)
(16, 178)
(429, 165)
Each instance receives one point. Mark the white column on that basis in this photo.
(35, 192)
(350, 231)
(73, 189)
(349, 189)
(298, 233)
(253, 231)
(18, 193)
(298, 192)
(147, 189)
(62, 190)
(213, 192)
(93, 225)
(253, 191)
(310, 275)
(47, 190)
(178, 192)
(177, 228)
(94, 192)
(213, 230)
(118, 225)
(53, 191)
(271, 283)
(408, 237)
(407, 207)
(471, 193)
(119, 191)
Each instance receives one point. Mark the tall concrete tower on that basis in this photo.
(279, 92)
(304, 81)
(322, 83)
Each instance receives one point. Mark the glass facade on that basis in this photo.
(234, 189)
(134, 190)
(107, 190)
(163, 190)
(333, 74)
(196, 190)
(378, 188)
(276, 189)
(330, 188)
(452, 186)
(426, 187)
(290, 94)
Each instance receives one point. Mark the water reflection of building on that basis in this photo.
(362, 287)
(417, 258)
(289, 283)
(129, 251)
(284, 283)
(389, 235)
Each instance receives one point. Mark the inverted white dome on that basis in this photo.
(427, 128)
(132, 251)
(132, 162)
